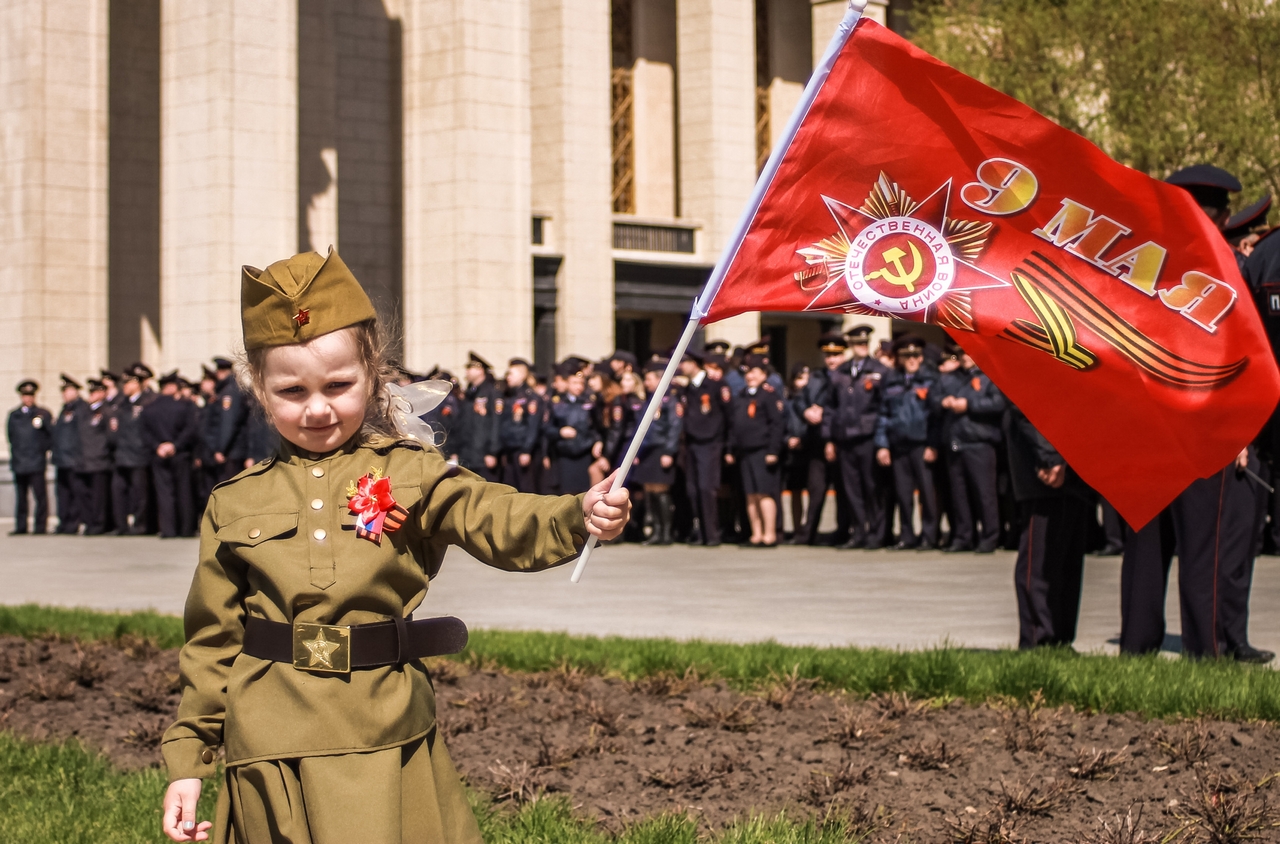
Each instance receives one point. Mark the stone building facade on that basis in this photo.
(517, 177)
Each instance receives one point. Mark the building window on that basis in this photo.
(538, 238)
(653, 238)
(624, 158)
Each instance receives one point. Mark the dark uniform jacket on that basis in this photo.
(476, 425)
(267, 550)
(232, 412)
(707, 405)
(519, 423)
(624, 414)
(565, 411)
(854, 396)
(170, 419)
(66, 435)
(127, 440)
(816, 392)
(663, 436)
(907, 417)
(209, 430)
(758, 420)
(982, 420)
(95, 438)
(30, 433)
(1029, 452)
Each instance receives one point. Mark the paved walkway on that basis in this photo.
(798, 596)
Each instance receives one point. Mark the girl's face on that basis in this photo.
(316, 391)
(629, 382)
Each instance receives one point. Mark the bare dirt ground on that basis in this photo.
(621, 751)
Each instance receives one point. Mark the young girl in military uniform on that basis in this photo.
(302, 658)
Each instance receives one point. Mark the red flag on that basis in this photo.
(1101, 301)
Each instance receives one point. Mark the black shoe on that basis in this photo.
(872, 546)
(1252, 655)
(905, 546)
(852, 545)
(1111, 551)
(17, 533)
(985, 549)
(715, 543)
(958, 548)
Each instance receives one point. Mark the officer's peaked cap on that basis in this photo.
(299, 299)
(1240, 224)
(859, 334)
(474, 359)
(68, 381)
(28, 387)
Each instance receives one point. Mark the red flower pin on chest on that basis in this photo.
(376, 511)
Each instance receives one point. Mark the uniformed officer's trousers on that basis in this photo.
(1211, 525)
(33, 484)
(130, 496)
(702, 483)
(515, 475)
(96, 488)
(971, 468)
(858, 474)
(67, 487)
(911, 473)
(173, 495)
(1049, 572)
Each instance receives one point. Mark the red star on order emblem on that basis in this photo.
(302, 317)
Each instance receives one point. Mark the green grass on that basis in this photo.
(1152, 686)
(64, 794)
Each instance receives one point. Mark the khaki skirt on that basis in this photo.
(410, 793)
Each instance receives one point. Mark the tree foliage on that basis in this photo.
(1157, 84)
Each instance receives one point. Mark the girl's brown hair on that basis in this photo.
(371, 349)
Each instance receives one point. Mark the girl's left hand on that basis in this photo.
(605, 512)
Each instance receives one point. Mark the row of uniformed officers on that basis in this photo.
(130, 458)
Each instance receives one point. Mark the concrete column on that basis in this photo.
(716, 70)
(571, 176)
(468, 280)
(229, 147)
(53, 168)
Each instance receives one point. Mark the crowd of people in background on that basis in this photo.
(915, 445)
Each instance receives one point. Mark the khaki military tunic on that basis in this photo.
(278, 542)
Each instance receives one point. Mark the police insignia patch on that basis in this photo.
(37, 422)
(976, 383)
(226, 402)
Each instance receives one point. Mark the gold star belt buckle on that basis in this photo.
(322, 648)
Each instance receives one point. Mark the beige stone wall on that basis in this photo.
(716, 41)
(468, 276)
(229, 163)
(53, 212)
(570, 164)
(653, 124)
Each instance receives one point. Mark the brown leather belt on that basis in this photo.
(337, 649)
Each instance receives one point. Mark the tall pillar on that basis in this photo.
(468, 278)
(571, 175)
(53, 218)
(229, 152)
(716, 80)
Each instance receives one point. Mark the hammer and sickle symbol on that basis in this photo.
(902, 278)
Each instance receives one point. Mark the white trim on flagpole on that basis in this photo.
(702, 306)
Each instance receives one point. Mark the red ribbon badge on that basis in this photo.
(376, 511)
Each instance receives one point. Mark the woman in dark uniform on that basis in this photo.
(571, 438)
(756, 430)
(655, 465)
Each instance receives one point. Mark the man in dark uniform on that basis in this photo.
(130, 479)
(170, 427)
(707, 402)
(95, 458)
(1212, 524)
(1055, 508)
(30, 433)
(111, 383)
(972, 409)
(907, 441)
(477, 445)
(622, 361)
(230, 450)
(66, 458)
(518, 421)
(849, 424)
(1245, 229)
(806, 443)
(572, 440)
(1262, 272)
(655, 463)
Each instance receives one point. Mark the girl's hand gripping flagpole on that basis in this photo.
(703, 304)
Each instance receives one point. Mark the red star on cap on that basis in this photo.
(302, 317)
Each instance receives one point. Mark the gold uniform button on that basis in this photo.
(319, 534)
(318, 472)
(255, 533)
(206, 756)
(317, 504)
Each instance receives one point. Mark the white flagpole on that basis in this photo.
(702, 306)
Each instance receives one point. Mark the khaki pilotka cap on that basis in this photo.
(299, 299)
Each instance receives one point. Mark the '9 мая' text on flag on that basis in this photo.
(1103, 302)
